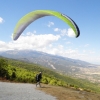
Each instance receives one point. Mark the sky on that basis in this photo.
(50, 34)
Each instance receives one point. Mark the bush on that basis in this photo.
(44, 81)
(53, 82)
(3, 67)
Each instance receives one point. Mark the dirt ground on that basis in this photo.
(62, 93)
(68, 94)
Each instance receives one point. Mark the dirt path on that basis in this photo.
(22, 91)
(69, 94)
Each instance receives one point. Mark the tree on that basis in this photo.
(13, 75)
(3, 67)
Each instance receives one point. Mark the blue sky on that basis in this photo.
(50, 34)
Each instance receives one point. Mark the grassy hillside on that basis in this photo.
(19, 71)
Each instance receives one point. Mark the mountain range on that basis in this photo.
(63, 65)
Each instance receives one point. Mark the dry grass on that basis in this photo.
(68, 94)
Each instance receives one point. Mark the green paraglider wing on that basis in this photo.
(32, 16)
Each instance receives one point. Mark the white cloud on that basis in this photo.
(71, 33)
(4, 46)
(29, 33)
(1, 20)
(50, 24)
(63, 32)
(30, 41)
(84, 51)
(38, 42)
(57, 29)
(47, 43)
(92, 52)
(72, 53)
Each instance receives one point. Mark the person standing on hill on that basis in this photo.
(38, 79)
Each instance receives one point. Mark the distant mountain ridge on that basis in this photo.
(37, 57)
(60, 64)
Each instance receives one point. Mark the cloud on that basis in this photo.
(70, 33)
(30, 41)
(4, 46)
(1, 20)
(92, 52)
(57, 29)
(72, 53)
(41, 42)
(59, 50)
(50, 24)
(48, 43)
(63, 32)
(84, 51)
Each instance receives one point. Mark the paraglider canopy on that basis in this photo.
(32, 16)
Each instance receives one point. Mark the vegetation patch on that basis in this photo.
(19, 71)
